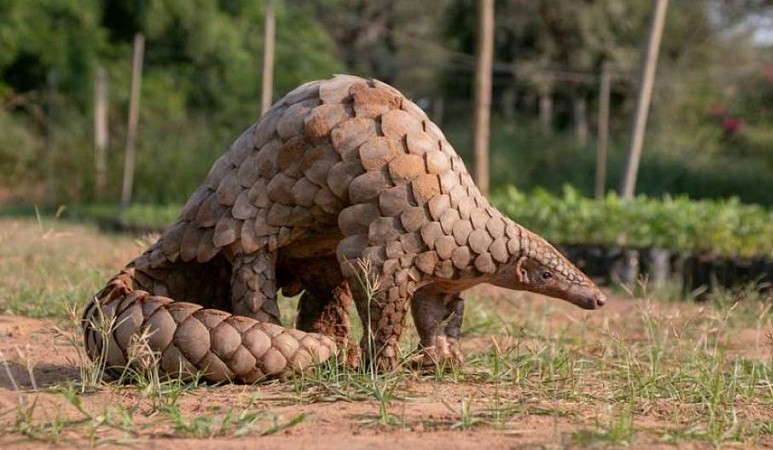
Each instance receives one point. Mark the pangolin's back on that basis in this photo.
(344, 143)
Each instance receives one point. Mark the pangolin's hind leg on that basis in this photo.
(189, 339)
(325, 305)
(205, 284)
(438, 318)
(254, 287)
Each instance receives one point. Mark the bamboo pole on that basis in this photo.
(482, 102)
(134, 118)
(628, 182)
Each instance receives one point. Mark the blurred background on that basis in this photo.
(710, 131)
(708, 146)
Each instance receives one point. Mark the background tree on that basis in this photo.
(397, 41)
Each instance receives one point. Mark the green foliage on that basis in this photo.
(397, 41)
(527, 158)
(18, 147)
(175, 156)
(556, 48)
(305, 50)
(752, 106)
(60, 38)
(724, 227)
(201, 85)
(213, 50)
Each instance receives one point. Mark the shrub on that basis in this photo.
(724, 227)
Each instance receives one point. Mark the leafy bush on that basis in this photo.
(724, 227)
(19, 148)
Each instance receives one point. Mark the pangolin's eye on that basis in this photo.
(546, 276)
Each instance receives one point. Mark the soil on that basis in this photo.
(38, 357)
(327, 425)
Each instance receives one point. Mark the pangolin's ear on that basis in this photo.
(519, 271)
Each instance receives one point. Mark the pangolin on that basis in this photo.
(344, 190)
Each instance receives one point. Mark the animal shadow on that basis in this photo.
(14, 375)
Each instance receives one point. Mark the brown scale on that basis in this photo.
(339, 175)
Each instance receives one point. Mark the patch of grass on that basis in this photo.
(660, 372)
(365, 382)
(666, 363)
(228, 422)
(47, 265)
(467, 418)
(92, 370)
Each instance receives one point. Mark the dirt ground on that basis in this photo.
(329, 424)
(536, 403)
(428, 409)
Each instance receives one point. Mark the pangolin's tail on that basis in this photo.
(131, 328)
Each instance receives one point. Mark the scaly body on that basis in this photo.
(337, 173)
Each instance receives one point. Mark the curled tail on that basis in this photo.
(186, 338)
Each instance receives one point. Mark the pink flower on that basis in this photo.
(731, 125)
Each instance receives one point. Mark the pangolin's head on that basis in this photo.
(539, 267)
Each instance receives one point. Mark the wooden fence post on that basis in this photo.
(268, 57)
(603, 138)
(100, 133)
(546, 106)
(134, 117)
(580, 118)
(52, 97)
(482, 105)
(628, 183)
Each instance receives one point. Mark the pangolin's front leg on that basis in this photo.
(438, 318)
(253, 287)
(381, 293)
